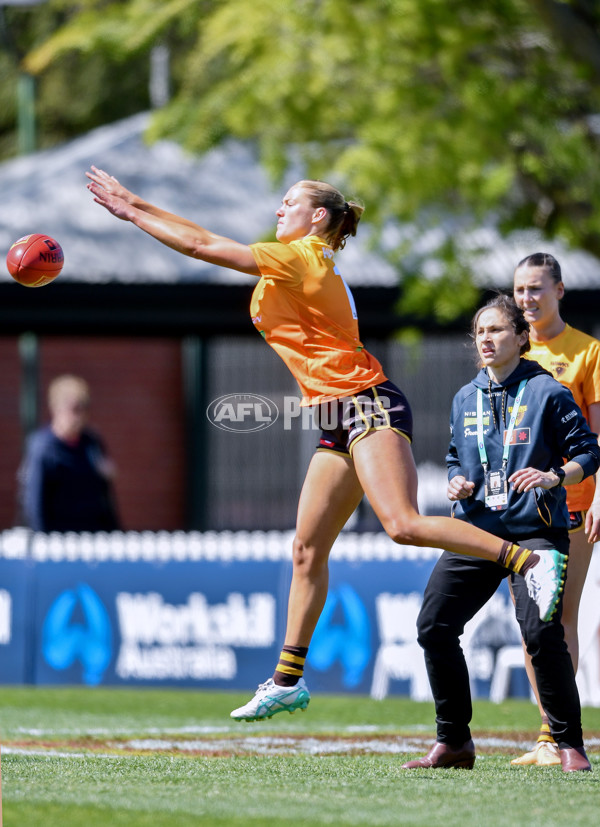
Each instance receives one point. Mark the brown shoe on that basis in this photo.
(574, 760)
(442, 756)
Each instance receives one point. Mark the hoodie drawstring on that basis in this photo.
(493, 407)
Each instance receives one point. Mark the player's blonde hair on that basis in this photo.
(68, 387)
(343, 215)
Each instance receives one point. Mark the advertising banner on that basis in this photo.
(209, 624)
(219, 623)
(16, 628)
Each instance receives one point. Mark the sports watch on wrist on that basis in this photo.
(560, 473)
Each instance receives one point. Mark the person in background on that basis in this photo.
(573, 358)
(66, 477)
(304, 309)
(511, 427)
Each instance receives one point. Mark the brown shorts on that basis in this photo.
(576, 521)
(344, 421)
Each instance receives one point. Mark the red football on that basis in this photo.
(35, 260)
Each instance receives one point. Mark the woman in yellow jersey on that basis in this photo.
(305, 311)
(573, 358)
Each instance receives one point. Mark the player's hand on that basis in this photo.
(110, 184)
(592, 522)
(459, 488)
(112, 203)
(527, 478)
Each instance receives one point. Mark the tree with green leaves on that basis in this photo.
(425, 109)
(74, 93)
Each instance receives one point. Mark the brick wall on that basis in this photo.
(10, 429)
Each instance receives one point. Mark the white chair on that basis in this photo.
(399, 656)
(507, 659)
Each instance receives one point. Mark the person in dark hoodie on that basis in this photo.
(511, 427)
(66, 478)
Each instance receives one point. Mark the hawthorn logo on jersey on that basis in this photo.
(520, 436)
(521, 413)
(242, 412)
(558, 368)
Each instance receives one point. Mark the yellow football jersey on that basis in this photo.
(573, 358)
(305, 311)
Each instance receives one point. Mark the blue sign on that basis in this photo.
(343, 635)
(66, 640)
(347, 638)
(208, 624)
(218, 624)
(16, 625)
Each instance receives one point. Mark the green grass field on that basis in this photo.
(91, 757)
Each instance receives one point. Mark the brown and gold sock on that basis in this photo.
(544, 733)
(516, 558)
(291, 665)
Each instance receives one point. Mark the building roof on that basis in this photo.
(491, 257)
(226, 190)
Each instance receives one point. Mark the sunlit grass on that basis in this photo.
(56, 789)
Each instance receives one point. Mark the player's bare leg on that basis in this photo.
(330, 494)
(580, 556)
(332, 490)
(393, 496)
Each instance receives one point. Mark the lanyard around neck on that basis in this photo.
(511, 425)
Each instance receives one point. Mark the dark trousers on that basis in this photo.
(458, 587)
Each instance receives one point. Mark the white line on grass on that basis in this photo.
(281, 744)
(265, 745)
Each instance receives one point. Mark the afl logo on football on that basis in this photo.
(242, 412)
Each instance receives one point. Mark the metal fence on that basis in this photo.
(253, 479)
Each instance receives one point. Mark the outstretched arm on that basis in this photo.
(178, 233)
(114, 187)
